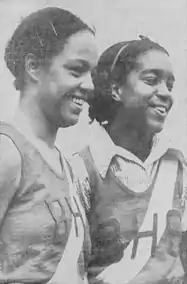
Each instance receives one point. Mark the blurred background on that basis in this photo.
(163, 21)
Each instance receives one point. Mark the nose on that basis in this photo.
(163, 92)
(87, 82)
(163, 89)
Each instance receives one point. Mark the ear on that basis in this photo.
(115, 93)
(32, 66)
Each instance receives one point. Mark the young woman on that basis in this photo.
(42, 224)
(134, 186)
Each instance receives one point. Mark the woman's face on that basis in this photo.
(146, 93)
(64, 85)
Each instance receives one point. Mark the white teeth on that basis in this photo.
(78, 101)
(161, 109)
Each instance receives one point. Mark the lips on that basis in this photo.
(78, 101)
(161, 109)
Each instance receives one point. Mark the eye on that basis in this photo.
(75, 74)
(151, 80)
(77, 71)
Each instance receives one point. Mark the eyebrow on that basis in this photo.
(158, 72)
(81, 62)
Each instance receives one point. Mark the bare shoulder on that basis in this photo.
(10, 160)
(10, 173)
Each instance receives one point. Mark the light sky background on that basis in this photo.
(115, 20)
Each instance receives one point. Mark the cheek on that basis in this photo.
(57, 89)
(144, 90)
(137, 96)
(141, 95)
(53, 88)
(57, 85)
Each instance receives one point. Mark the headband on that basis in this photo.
(121, 50)
(117, 56)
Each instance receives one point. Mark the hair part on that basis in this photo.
(114, 65)
(43, 34)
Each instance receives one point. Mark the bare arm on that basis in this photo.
(10, 173)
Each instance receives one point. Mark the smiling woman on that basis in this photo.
(42, 224)
(146, 93)
(134, 197)
(66, 81)
(139, 73)
(60, 68)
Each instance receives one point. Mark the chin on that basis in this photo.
(156, 128)
(71, 121)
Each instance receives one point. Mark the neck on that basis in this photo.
(134, 140)
(30, 118)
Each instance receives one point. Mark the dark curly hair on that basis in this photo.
(43, 34)
(114, 65)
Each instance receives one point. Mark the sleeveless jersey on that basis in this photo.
(35, 229)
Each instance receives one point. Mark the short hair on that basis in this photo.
(43, 34)
(114, 65)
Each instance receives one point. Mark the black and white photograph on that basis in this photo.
(93, 135)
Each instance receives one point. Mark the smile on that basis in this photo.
(78, 101)
(161, 110)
